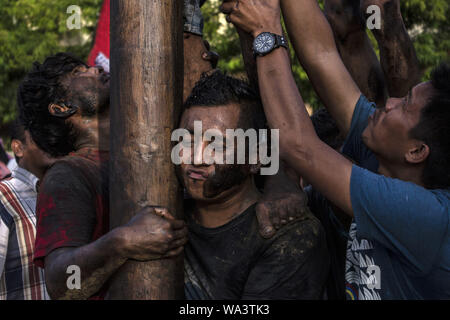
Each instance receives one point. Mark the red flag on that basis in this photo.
(100, 52)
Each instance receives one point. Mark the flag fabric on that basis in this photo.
(100, 52)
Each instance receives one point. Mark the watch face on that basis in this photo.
(264, 43)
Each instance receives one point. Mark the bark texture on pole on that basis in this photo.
(146, 99)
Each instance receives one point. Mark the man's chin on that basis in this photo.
(201, 195)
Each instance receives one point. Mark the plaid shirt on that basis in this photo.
(4, 171)
(20, 278)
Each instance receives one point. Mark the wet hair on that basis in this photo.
(219, 89)
(327, 129)
(434, 130)
(17, 131)
(41, 87)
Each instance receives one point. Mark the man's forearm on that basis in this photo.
(283, 104)
(299, 144)
(397, 55)
(355, 48)
(314, 44)
(249, 59)
(97, 262)
(361, 61)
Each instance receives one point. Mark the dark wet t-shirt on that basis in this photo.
(234, 262)
(73, 203)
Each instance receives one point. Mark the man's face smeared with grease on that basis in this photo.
(88, 88)
(388, 130)
(211, 182)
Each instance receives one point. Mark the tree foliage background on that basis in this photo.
(30, 30)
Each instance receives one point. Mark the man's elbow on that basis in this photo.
(297, 151)
(55, 288)
(57, 280)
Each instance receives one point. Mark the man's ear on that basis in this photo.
(418, 154)
(61, 110)
(17, 148)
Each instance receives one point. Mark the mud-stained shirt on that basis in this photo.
(73, 203)
(234, 262)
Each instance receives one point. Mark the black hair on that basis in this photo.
(219, 89)
(41, 87)
(17, 131)
(327, 129)
(434, 130)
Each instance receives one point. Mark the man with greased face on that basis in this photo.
(225, 257)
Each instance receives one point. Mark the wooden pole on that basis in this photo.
(146, 99)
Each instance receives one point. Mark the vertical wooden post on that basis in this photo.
(146, 98)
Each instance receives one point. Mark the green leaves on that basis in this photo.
(427, 24)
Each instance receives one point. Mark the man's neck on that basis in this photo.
(93, 133)
(409, 174)
(216, 214)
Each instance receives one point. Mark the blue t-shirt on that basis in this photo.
(399, 245)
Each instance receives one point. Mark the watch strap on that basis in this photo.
(280, 41)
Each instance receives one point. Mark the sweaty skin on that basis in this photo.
(221, 191)
(355, 48)
(99, 259)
